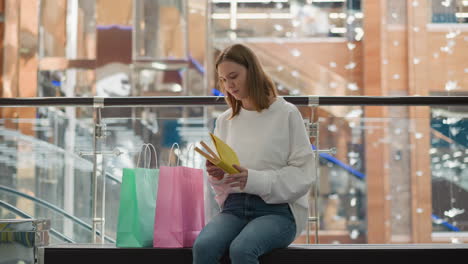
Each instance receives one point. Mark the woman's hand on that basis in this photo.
(238, 179)
(214, 171)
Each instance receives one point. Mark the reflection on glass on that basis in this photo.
(58, 83)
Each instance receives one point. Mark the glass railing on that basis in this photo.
(392, 169)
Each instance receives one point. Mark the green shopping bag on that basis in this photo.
(138, 192)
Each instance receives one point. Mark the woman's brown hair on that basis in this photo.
(259, 85)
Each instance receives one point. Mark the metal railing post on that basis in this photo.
(98, 104)
(313, 130)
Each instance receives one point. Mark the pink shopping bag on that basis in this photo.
(180, 211)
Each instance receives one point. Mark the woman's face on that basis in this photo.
(233, 76)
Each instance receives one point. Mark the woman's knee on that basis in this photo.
(242, 250)
(207, 249)
(201, 246)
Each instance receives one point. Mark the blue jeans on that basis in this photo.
(247, 228)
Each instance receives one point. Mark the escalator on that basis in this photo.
(82, 231)
(14, 213)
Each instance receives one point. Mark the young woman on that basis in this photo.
(265, 205)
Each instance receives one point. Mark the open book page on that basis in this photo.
(225, 152)
(224, 157)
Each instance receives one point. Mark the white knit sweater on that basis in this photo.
(273, 145)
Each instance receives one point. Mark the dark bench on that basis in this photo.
(355, 253)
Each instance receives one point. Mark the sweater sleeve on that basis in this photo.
(291, 182)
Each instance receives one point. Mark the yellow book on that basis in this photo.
(225, 156)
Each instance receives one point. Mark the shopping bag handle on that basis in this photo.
(144, 148)
(191, 146)
(170, 153)
(152, 147)
(147, 147)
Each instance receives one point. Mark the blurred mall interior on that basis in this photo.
(388, 174)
